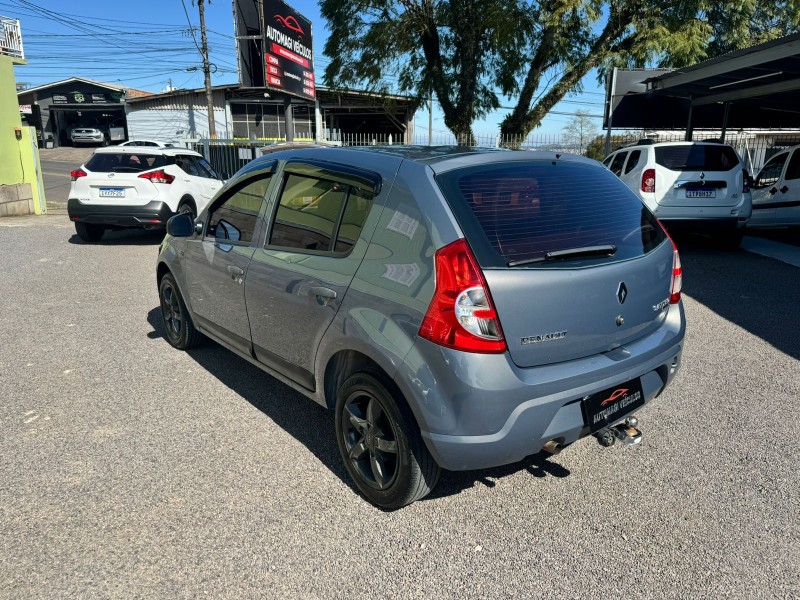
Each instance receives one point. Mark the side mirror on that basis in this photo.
(180, 225)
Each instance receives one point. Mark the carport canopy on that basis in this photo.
(753, 88)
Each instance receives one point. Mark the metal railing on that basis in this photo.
(754, 147)
(11, 38)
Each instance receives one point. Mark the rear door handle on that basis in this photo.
(323, 294)
(236, 273)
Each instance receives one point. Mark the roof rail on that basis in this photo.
(646, 142)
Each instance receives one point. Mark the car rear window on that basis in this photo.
(126, 162)
(696, 157)
(525, 211)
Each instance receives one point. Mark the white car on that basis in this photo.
(700, 186)
(148, 143)
(138, 187)
(776, 191)
(88, 135)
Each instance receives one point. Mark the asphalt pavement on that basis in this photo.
(129, 469)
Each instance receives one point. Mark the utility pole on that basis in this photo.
(212, 126)
(430, 118)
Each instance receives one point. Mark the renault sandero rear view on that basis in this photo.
(456, 308)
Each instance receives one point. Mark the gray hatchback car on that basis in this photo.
(456, 308)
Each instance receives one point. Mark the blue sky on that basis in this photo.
(147, 44)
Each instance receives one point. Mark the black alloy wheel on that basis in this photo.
(370, 438)
(380, 443)
(178, 326)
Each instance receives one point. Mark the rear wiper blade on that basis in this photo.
(604, 250)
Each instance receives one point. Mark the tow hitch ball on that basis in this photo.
(626, 432)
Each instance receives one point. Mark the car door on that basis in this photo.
(208, 177)
(297, 281)
(787, 205)
(216, 263)
(765, 191)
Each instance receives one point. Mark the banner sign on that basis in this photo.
(288, 56)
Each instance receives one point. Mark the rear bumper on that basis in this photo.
(153, 214)
(704, 225)
(479, 411)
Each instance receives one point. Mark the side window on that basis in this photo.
(205, 169)
(771, 172)
(633, 160)
(235, 219)
(319, 215)
(187, 164)
(793, 170)
(616, 164)
(608, 160)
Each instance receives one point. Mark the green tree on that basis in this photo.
(580, 130)
(470, 53)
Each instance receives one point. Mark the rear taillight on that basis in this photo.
(159, 176)
(649, 180)
(677, 272)
(77, 173)
(745, 181)
(461, 314)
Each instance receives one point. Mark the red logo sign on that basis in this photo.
(614, 397)
(290, 23)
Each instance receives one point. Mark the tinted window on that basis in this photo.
(522, 211)
(187, 164)
(633, 160)
(205, 169)
(771, 172)
(127, 162)
(308, 213)
(616, 164)
(319, 215)
(236, 218)
(608, 160)
(697, 157)
(793, 170)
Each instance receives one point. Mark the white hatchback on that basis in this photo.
(701, 186)
(138, 187)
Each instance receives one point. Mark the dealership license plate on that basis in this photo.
(112, 192)
(701, 193)
(607, 407)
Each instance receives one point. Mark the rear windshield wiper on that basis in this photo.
(604, 250)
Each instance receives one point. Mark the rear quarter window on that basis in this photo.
(521, 211)
(698, 157)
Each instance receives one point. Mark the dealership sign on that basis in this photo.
(288, 54)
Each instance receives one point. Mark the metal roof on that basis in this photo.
(760, 86)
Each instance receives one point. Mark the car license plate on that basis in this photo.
(607, 407)
(701, 193)
(112, 192)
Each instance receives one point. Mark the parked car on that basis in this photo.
(700, 186)
(88, 135)
(138, 187)
(456, 308)
(776, 191)
(148, 143)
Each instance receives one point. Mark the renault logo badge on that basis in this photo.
(622, 292)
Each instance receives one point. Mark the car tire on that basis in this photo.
(89, 232)
(730, 240)
(187, 206)
(381, 445)
(178, 326)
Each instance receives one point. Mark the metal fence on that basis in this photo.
(755, 147)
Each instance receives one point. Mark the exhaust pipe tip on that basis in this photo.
(552, 447)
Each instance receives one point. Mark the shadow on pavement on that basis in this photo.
(756, 293)
(313, 425)
(125, 237)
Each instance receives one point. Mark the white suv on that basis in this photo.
(88, 135)
(702, 186)
(138, 187)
